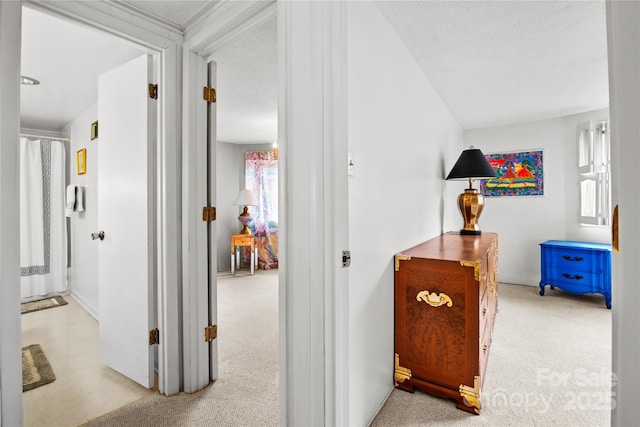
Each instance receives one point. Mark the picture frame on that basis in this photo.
(94, 130)
(520, 173)
(81, 161)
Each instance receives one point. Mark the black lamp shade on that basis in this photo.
(472, 164)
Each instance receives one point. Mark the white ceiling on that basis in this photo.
(247, 86)
(178, 13)
(493, 62)
(501, 62)
(67, 59)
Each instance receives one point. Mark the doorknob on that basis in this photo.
(99, 235)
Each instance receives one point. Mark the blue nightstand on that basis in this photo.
(576, 267)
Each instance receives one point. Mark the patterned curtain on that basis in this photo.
(261, 177)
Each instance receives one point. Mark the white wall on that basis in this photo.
(230, 180)
(522, 223)
(84, 251)
(404, 140)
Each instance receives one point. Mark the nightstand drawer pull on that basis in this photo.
(573, 258)
(573, 277)
(434, 300)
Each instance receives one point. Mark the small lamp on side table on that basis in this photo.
(245, 198)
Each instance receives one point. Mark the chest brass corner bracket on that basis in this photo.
(471, 396)
(476, 268)
(400, 257)
(400, 374)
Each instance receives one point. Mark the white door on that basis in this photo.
(200, 260)
(126, 132)
(211, 229)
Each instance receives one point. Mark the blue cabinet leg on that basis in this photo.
(541, 288)
(607, 301)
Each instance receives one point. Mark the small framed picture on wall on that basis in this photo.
(81, 161)
(94, 130)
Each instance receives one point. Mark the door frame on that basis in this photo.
(10, 325)
(165, 44)
(313, 133)
(160, 41)
(222, 23)
(313, 295)
(623, 38)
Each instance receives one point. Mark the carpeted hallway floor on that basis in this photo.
(549, 365)
(246, 393)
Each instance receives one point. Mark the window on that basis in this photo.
(594, 169)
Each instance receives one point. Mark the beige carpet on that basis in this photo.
(549, 365)
(43, 304)
(246, 393)
(36, 370)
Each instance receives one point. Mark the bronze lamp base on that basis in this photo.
(470, 204)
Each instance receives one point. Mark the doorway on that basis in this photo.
(247, 301)
(68, 59)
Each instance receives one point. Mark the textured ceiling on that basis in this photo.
(67, 58)
(176, 12)
(247, 86)
(500, 62)
(493, 62)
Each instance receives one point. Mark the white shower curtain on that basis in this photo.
(43, 226)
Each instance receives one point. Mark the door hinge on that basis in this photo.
(209, 94)
(154, 336)
(210, 333)
(153, 91)
(209, 213)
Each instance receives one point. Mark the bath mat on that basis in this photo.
(36, 370)
(28, 307)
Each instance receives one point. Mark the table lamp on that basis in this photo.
(471, 164)
(245, 198)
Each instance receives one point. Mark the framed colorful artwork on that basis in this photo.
(519, 174)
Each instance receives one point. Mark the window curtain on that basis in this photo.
(261, 177)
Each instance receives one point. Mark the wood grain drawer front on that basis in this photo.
(489, 304)
(485, 346)
(489, 272)
(487, 311)
(433, 322)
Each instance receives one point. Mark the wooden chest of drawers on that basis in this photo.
(446, 293)
(576, 267)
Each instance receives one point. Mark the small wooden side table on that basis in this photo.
(238, 240)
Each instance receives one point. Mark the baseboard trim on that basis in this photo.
(83, 303)
(381, 405)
